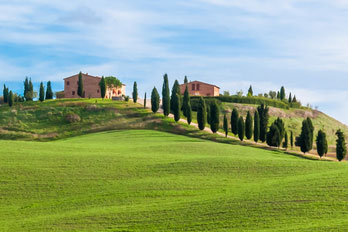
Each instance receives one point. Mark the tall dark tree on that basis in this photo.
(5, 94)
(290, 98)
(186, 101)
(225, 125)
(176, 107)
(286, 141)
(135, 92)
(276, 133)
(175, 91)
(264, 117)
(249, 126)
(292, 139)
(234, 121)
(341, 146)
(278, 95)
(80, 90)
(155, 100)
(282, 93)
(102, 85)
(165, 96)
(305, 140)
(49, 92)
(189, 113)
(26, 88)
(145, 101)
(241, 128)
(250, 91)
(208, 113)
(256, 126)
(185, 80)
(322, 146)
(10, 99)
(201, 114)
(42, 92)
(294, 99)
(214, 117)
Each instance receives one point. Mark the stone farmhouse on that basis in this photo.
(91, 87)
(198, 88)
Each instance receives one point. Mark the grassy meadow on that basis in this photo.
(145, 180)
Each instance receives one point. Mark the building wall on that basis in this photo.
(90, 86)
(115, 92)
(197, 88)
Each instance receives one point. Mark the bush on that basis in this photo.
(72, 117)
(255, 101)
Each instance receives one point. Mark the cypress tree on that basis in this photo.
(176, 107)
(186, 101)
(80, 90)
(250, 91)
(42, 93)
(234, 121)
(278, 95)
(208, 113)
(282, 93)
(264, 117)
(214, 117)
(286, 141)
(30, 92)
(341, 147)
(294, 99)
(49, 92)
(225, 125)
(249, 126)
(201, 114)
(292, 139)
(241, 128)
(185, 80)
(290, 98)
(5, 94)
(145, 101)
(189, 113)
(102, 85)
(165, 96)
(26, 87)
(175, 91)
(10, 99)
(273, 136)
(322, 146)
(305, 140)
(155, 100)
(256, 126)
(135, 92)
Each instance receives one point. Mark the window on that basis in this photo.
(193, 86)
(73, 93)
(197, 87)
(68, 83)
(97, 90)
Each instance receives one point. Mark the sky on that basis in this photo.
(299, 44)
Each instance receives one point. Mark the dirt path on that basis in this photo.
(330, 157)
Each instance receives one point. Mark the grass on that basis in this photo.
(144, 180)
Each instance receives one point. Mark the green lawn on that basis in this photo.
(143, 180)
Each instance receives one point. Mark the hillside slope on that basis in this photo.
(143, 180)
(293, 119)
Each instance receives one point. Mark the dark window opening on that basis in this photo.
(98, 91)
(73, 93)
(68, 83)
(193, 86)
(197, 86)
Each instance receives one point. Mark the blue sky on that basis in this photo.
(301, 44)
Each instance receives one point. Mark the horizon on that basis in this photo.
(269, 44)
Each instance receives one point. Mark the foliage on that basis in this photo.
(185, 80)
(28, 89)
(322, 146)
(80, 87)
(282, 94)
(186, 101)
(341, 146)
(234, 121)
(176, 107)
(249, 126)
(286, 140)
(135, 92)
(201, 114)
(264, 117)
(42, 93)
(241, 129)
(49, 92)
(71, 117)
(305, 140)
(225, 125)
(165, 96)
(126, 98)
(5, 94)
(292, 139)
(276, 133)
(145, 101)
(102, 85)
(155, 100)
(214, 117)
(189, 113)
(112, 82)
(175, 91)
(208, 113)
(256, 126)
(10, 99)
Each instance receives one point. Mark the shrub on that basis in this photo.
(72, 117)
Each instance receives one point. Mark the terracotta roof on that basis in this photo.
(203, 83)
(83, 74)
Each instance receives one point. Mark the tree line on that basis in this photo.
(255, 126)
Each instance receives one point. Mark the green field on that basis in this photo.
(144, 180)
